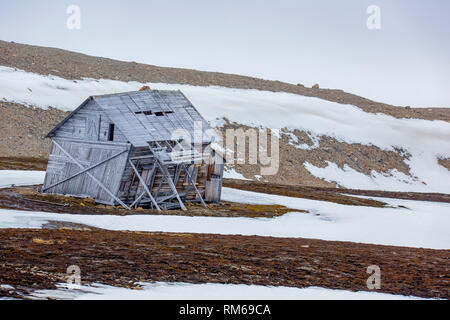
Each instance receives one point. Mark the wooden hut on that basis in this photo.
(125, 149)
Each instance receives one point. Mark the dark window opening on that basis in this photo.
(162, 113)
(147, 112)
(111, 132)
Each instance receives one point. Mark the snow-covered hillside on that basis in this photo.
(424, 140)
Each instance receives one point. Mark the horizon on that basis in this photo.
(386, 65)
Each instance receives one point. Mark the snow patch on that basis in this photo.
(422, 224)
(231, 173)
(211, 291)
(10, 178)
(349, 178)
(293, 141)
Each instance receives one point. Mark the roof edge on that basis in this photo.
(128, 92)
(59, 125)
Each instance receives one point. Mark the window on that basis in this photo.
(157, 113)
(147, 112)
(111, 132)
(162, 113)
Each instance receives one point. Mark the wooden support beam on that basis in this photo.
(193, 184)
(85, 170)
(177, 175)
(145, 186)
(166, 174)
(136, 201)
(142, 157)
(165, 198)
(172, 186)
(194, 174)
(91, 176)
(159, 186)
(152, 176)
(190, 178)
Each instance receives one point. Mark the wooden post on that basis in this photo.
(145, 186)
(152, 176)
(172, 186)
(193, 184)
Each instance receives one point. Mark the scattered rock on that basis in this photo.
(144, 88)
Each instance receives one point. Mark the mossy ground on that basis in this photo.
(23, 163)
(29, 198)
(38, 259)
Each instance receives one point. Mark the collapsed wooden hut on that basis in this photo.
(131, 149)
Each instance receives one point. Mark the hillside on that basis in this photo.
(73, 65)
(327, 138)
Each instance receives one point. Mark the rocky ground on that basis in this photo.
(38, 259)
(361, 158)
(22, 130)
(72, 65)
(445, 162)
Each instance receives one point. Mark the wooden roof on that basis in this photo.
(149, 115)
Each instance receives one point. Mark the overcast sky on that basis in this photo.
(406, 62)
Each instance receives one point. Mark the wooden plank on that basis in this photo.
(193, 184)
(145, 186)
(85, 170)
(172, 186)
(92, 177)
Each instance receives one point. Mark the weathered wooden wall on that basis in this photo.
(89, 123)
(87, 153)
(213, 185)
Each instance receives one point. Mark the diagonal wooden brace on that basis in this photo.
(91, 176)
(152, 176)
(171, 185)
(193, 184)
(135, 202)
(145, 186)
(85, 170)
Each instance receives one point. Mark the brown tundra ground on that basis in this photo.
(38, 259)
(32, 259)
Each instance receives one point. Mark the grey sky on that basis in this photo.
(406, 62)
